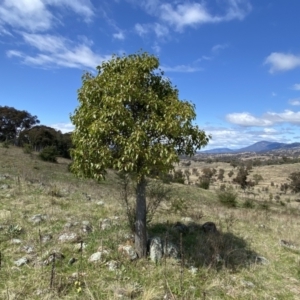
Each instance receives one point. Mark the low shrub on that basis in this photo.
(49, 154)
(228, 197)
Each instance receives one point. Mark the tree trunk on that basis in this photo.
(140, 224)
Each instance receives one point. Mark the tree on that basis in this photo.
(241, 178)
(295, 182)
(131, 119)
(13, 121)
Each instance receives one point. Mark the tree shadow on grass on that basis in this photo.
(207, 249)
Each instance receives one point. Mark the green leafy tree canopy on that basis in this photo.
(131, 119)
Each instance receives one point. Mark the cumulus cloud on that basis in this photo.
(63, 127)
(268, 119)
(294, 102)
(296, 86)
(119, 36)
(193, 13)
(140, 29)
(55, 51)
(180, 68)
(247, 120)
(181, 14)
(238, 137)
(159, 30)
(280, 62)
(36, 15)
(287, 116)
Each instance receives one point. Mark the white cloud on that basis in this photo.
(180, 68)
(246, 119)
(35, 15)
(268, 119)
(238, 137)
(282, 62)
(287, 116)
(119, 36)
(296, 86)
(56, 51)
(217, 48)
(192, 13)
(159, 30)
(63, 127)
(294, 102)
(141, 29)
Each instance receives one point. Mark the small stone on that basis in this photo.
(262, 260)
(248, 284)
(28, 249)
(106, 224)
(187, 219)
(55, 255)
(46, 238)
(100, 203)
(180, 227)
(37, 219)
(80, 246)
(68, 237)
(16, 241)
(193, 270)
(4, 187)
(112, 265)
(128, 251)
(95, 257)
(156, 249)
(20, 262)
(209, 227)
(72, 261)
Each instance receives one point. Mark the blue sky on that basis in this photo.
(237, 60)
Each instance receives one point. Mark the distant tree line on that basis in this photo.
(20, 128)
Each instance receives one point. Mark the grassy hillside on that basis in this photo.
(254, 255)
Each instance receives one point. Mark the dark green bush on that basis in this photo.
(204, 184)
(27, 148)
(248, 203)
(228, 197)
(49, 154)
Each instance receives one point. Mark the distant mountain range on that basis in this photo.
(262, 146)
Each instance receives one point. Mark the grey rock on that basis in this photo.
(209, 227)
(72, 261)
(28, 249)
(106, 224)
(46, 238)
(54, 255)
(4, 187)
(187, 219)
(180, 227)
(159, 248)
(171, 250)
(128, 251)
(112, 265)
(193, 270)
(80, 246)
(100, 203)
(68, 237)
(37, 219)
(20, 262)
(261, 260)
(289, 245)
(16, 241)
(156, 249)
(95, 257)
(248, 284)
